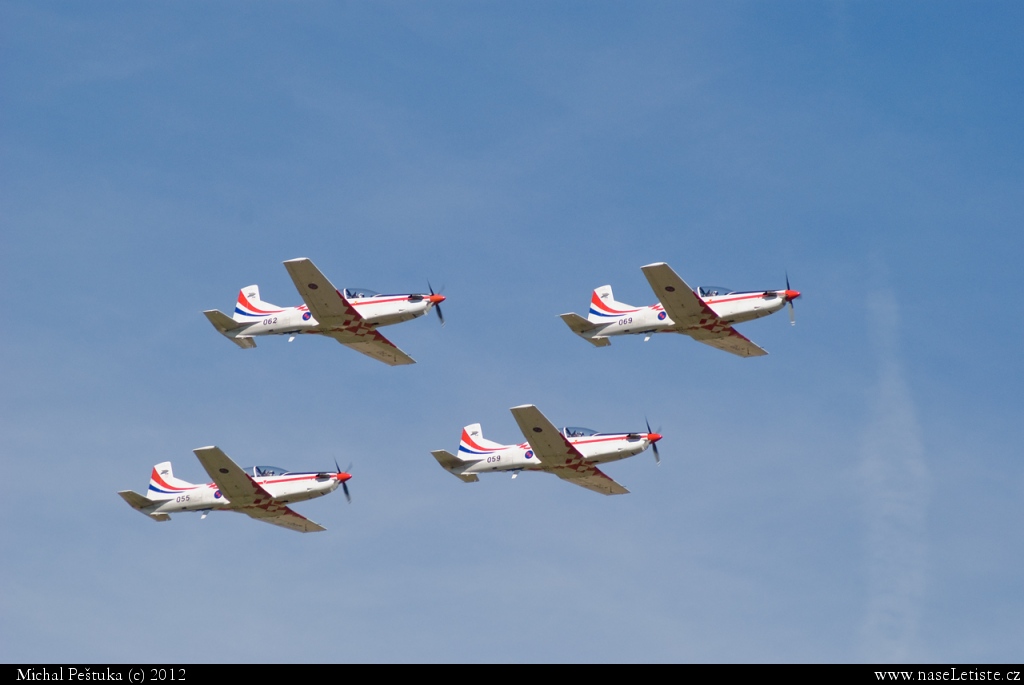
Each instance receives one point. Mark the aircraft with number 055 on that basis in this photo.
(350, 316)
(570, 453)
(706, 314)
(261, 492)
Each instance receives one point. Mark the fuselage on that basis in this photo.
(732, 308)
(377, 310)
(285, 488)
(597, 448)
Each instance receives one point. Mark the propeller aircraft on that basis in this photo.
(570, 453)
(261, 492)
(350, 316)
(706, 314)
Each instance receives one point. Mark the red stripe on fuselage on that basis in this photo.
(272, 481)
(734, 299)
(583, 441)
(377, 301)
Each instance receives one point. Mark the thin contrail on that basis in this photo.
(896, 491)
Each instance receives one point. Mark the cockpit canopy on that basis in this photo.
(577, 432)
(713, 291)
(264, 471)
(352, 293)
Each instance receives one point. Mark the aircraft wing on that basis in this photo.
(588, 476)
(371, 343)
(338, 318)
(235, 484)
(558, 456)
(280, 515)
(678, 299)
(725, 338)
(320, 295)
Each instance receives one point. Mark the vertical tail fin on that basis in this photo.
(473, 445)
(249, 307)
(604, 308)
(163, 484)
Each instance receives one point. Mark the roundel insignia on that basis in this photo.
(661, 316)
(217, 495)
(529, 454)
(312, 286)
(305, 317)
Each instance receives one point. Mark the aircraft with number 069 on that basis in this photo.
(570, 453)
(261, 492)
(706, 314)
(350, 316)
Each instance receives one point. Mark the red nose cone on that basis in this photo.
(792, 294)
(436, 299)
(342, 477)
(654, 437)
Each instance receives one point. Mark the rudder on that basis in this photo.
(249, 307)
(604, 308)
(163, 484)
(473, 446)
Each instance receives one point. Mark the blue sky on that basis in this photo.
(853, 496)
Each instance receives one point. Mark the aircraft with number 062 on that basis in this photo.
(706, 314)
(261, 492)
(350, 316)
(570, 453)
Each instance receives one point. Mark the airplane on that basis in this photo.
(706, 314)
(570, 453)
(261, 492)
(350, 316)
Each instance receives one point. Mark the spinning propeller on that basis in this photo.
(654, 438)
(437, 300)
(790, 296)
(342, 477)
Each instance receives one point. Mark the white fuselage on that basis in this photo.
(382, 310)
(732, 308)
(597, 449)
(285, 489)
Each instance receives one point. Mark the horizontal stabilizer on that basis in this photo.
(450, 462)
(138, 502)
(221, 321)
(582, 327)
(135, 500)
(225, 324)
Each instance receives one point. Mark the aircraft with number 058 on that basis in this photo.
(570, 453)
(350, 316)
(706, 314)
(261, 492)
